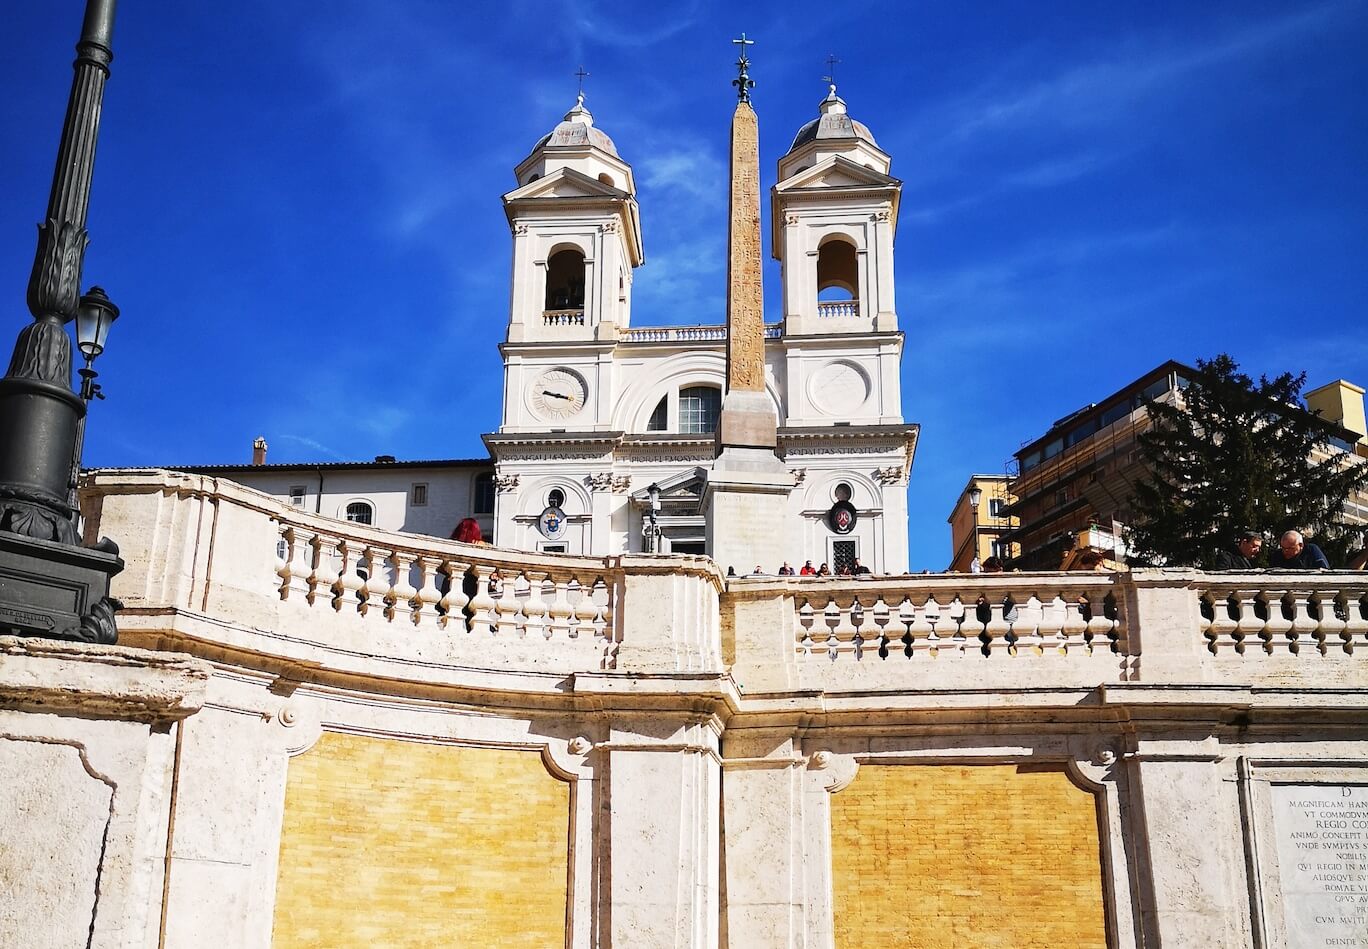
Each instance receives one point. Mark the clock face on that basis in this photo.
(559, 394)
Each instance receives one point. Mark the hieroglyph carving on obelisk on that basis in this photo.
(745, 295)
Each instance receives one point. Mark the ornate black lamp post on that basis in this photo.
(49, 584)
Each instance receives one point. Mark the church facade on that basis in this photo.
(596, 411)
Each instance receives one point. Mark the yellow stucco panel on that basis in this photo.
(950, 857)
(395, 843)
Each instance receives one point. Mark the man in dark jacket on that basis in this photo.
(1245, 554)
(1294, 553)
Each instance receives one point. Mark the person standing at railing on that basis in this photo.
(1294, 553)
(808, 570)
(1359, 561)
(1244, 555)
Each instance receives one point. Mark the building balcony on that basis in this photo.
(837, 309)
(573, 316)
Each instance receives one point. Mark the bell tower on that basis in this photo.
(576, 236)
(834, 214)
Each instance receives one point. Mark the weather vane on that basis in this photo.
(832, 63)
(581, 74)
(743, 82)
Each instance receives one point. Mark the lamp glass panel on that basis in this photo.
(92, 328)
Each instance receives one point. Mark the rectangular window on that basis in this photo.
(297, 495)
(552, 548)
(843, 554)
(418, 495)
(995, 506)
(484, 493)
(699, 407)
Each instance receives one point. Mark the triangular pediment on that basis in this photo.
(565, 183)
(686, 485)
(836, 171)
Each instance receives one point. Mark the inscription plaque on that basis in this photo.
(1322, 832)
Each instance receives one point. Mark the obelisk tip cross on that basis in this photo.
(743, 82)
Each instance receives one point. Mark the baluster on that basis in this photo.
(377, 587)
(534, 608)
(1100, 625)
(961, 615)
(602, 621)
(1074, 627)
(932, 616)
(347, 587)
(452, 606)
(301, 563)
(400, 606)
(907, 616)
(577, 621)
(483, 615)
(880, 616)
(1220, 626)
(1250, 624)
(831, 617)
(427, 597)
(857, 620)
(805, 621)
(1331, 621)
(1303, 623)
(1276, 631)
(284, 555)
(1027, 626)
(1356, 623)
(995, 635)
(559, 610)
(507, 609)
(324, 575)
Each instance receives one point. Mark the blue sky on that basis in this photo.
(297, 206)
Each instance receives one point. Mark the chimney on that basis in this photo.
(259, 451)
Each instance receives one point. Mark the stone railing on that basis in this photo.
(671, 334)
(1281, 613)
(568, 317)
(1059, 615)
(1034, 631)
(832, 309)
(210, 559)
(225, 567)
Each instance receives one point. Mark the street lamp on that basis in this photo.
(975, 496)
(650, 530)
(94, 316)
(53, 586)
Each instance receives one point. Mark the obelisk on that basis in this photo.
(746, 499)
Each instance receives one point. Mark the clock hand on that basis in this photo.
(558, 395)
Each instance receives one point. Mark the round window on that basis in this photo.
(843, 492)
(556, 498)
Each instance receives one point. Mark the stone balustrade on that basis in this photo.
(694, 334)
(195, 544)
(567, 317)
(835, 309)
(1285, 614)
(201, 547)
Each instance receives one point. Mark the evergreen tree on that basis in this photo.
(1232, 453)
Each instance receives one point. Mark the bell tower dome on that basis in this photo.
(576, 235)
(835, 211)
